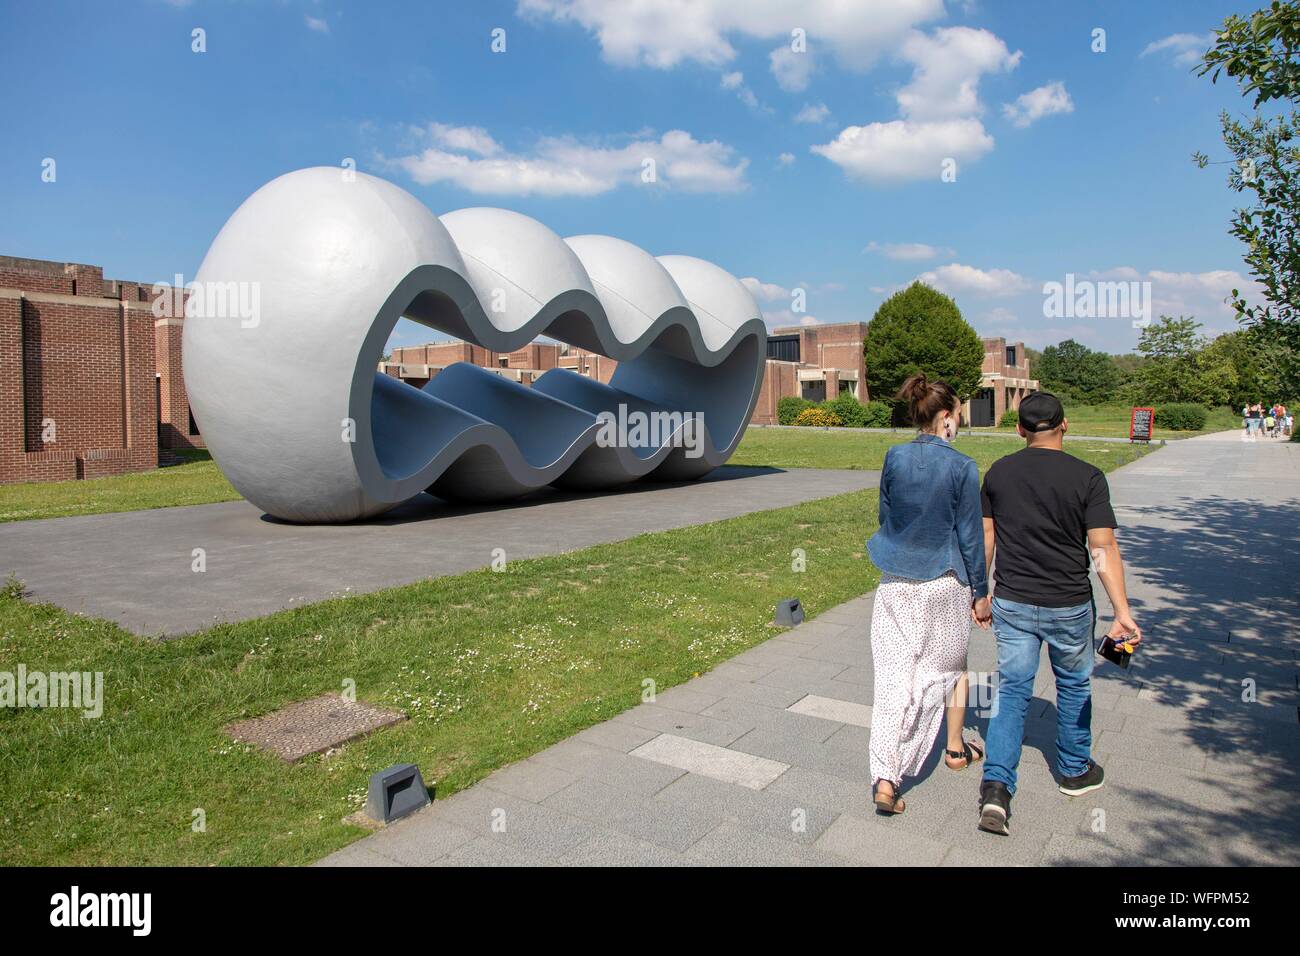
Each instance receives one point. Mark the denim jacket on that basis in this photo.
(931, 521)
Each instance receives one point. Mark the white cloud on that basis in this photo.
(1184, 48)
(939, 108)
(317, 24)
(902, 149)
(786, 159)
(792, 70)
(736, 82)
(947, 66)
(907, 251)
(468, 157)
(818, 113)
(662, 35)
(765, 291)
(1032, 106)
(957, 279)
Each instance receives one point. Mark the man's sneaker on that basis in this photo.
(1086, 782)
(995, 807)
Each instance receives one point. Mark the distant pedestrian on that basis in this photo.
(930, 550)
(1044, 511)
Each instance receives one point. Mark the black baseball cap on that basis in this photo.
(1041, 412)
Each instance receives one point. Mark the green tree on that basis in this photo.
(1266, 369)
(921, 330)
(1179, 367)
(1076, 371)
(1262, 53)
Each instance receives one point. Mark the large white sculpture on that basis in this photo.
(295, 301)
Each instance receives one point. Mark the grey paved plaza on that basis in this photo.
(763, 761)
(137, 568)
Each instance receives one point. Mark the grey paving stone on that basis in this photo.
(733, 845)
(673, 825)
(857, 675)
(611, 848)
(527, 827)
(686, 698)
(747, 713)
(595, 801)
(844, 690)
(356, 855)
(616, 735)
(735, 670)
(821, 789)
(713, 730)
(493, 851)
(873, 842)
(788, 815)
(855, 652)
(420, 839)
(532, 780)
(1173, 753)
(710, 760)
(801, 674)
(610, 766)
(764, 694)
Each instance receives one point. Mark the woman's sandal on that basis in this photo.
(969, 754)
(887, 804)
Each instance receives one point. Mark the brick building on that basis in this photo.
(1004, 382)
(816, 362)
(90, 379)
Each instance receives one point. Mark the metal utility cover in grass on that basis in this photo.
(312, 726)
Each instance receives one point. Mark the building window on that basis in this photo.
(1011, 355)
(504, 362)
(783, 348)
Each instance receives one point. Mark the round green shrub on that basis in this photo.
(878, 414)
(1011, 418)
(849, 410)
(1181, 417)
(788, 408)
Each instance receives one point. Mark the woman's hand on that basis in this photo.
(981, 613)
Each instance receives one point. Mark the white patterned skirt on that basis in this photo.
(919, 634)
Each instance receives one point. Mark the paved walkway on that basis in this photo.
(136, 568)
(763, 761)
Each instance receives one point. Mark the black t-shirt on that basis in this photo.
(1042, 503)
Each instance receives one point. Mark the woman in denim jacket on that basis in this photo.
(930, 551)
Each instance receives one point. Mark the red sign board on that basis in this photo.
(1141, 424)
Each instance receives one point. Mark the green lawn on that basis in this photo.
(851, 448)
(491, 667)
(197, 481)
(1107, 421)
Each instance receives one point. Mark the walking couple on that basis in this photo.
(1040, 512)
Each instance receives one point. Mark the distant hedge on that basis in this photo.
(1011, 417)
(1181, 417)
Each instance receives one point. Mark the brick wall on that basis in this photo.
(79, 389)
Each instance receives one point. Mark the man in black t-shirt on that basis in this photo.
(1045, 512)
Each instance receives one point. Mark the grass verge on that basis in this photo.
(849, 448)
(197, 481)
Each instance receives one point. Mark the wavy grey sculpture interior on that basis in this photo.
(299, 292)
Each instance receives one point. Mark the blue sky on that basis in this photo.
(817, 170)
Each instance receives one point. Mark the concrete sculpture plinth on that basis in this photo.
(288, 398)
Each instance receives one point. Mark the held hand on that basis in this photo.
(1125, 629)
(981, 613)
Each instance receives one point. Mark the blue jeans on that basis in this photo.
(1021, 630)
